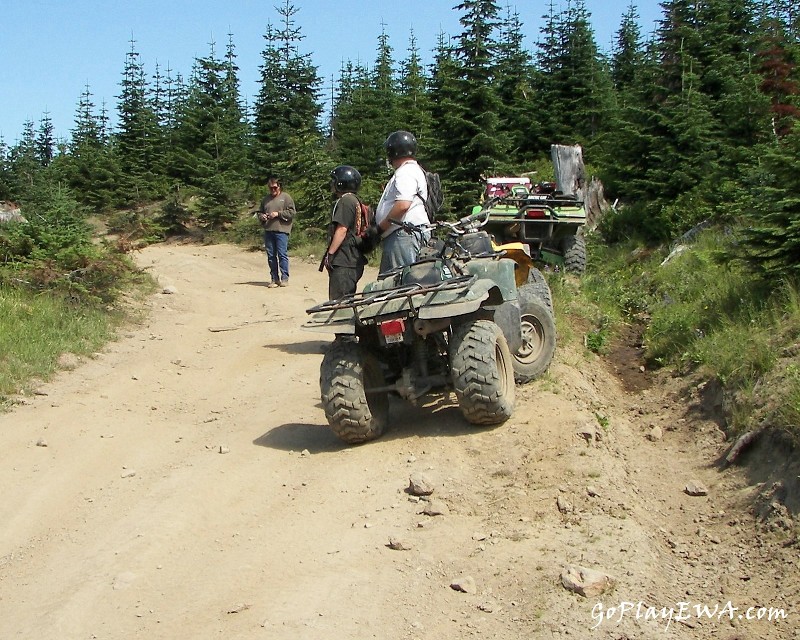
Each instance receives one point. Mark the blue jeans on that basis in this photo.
(277, 245)
(401, 247)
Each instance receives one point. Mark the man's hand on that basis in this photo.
(327, 262)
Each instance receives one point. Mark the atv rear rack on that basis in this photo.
(366, 298)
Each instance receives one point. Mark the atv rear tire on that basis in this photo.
(538, 335)
(483, 376)
(346, 376)
(574, 248)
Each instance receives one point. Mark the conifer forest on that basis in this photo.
(695, 121)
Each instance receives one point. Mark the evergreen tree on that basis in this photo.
(680, 118)
(5, 171)
(343, 137)
(158, 101)
(772, 242)
(90, 166)
(45, 142)
(439, 150)
(137, 136)
(287, 106)
(582, 88)
(414, 103)
(366, 112)
(24, 164)
(514, 73)
(212, 138)
(472, 144)
(176, 105)
(380, 115)
(627, 57)
(730, 78)
(549, 51)
(627, 153)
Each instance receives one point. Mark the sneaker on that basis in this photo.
(283, 283)
(272, 285)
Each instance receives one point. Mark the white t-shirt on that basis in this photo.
(407, 183)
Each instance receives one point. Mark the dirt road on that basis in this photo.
(183, 484)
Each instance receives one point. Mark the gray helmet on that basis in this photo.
(346, 179)
(400, 144)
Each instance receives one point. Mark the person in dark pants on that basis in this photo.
(344, 259)
(276, 214)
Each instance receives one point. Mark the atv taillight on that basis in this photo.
(392, 330)
(535, 214)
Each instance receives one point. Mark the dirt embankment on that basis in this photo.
(183, 484)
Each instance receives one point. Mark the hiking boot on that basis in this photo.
(283, 283)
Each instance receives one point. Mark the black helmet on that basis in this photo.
(400, 144)
(346, 178)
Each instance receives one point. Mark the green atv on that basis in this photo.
(545, 219)
(457, 319)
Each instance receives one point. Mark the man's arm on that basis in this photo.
(396, 213)
(289, 211)
(338, 238)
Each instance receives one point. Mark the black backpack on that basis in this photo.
(433, 203)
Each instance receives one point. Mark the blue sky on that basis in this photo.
(51, 50)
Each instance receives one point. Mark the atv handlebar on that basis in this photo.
(464, 225)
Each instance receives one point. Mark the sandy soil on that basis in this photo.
(183, 483)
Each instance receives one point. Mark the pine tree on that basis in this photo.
(730, 77)
(414, 102)
(549, 51)
(176, 100)
(24, 164)
(687, 145)
(287, 106)
(5, 171)
(343, 136)
(772, 242)
(628, 55)
(45, 142)
(137, 136)
(514, 82)
(582, 86)
(366, 111)
(470, 140)
(90, 166)
(212, 138)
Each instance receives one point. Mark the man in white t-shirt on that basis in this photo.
(403, 200)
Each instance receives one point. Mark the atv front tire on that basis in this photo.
(483, 376)
(538, 335)
(347, 374)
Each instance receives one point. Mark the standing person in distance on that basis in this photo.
(276, 214)
(344, 259)
(403, 200)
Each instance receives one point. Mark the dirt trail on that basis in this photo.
(190, 488)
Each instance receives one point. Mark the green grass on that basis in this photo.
(705, 314)
(35, 329)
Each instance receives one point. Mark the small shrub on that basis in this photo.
(597, 339)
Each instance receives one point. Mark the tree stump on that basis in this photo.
(571, 180)
(569, 170)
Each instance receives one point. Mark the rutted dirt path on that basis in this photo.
(190, 488)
